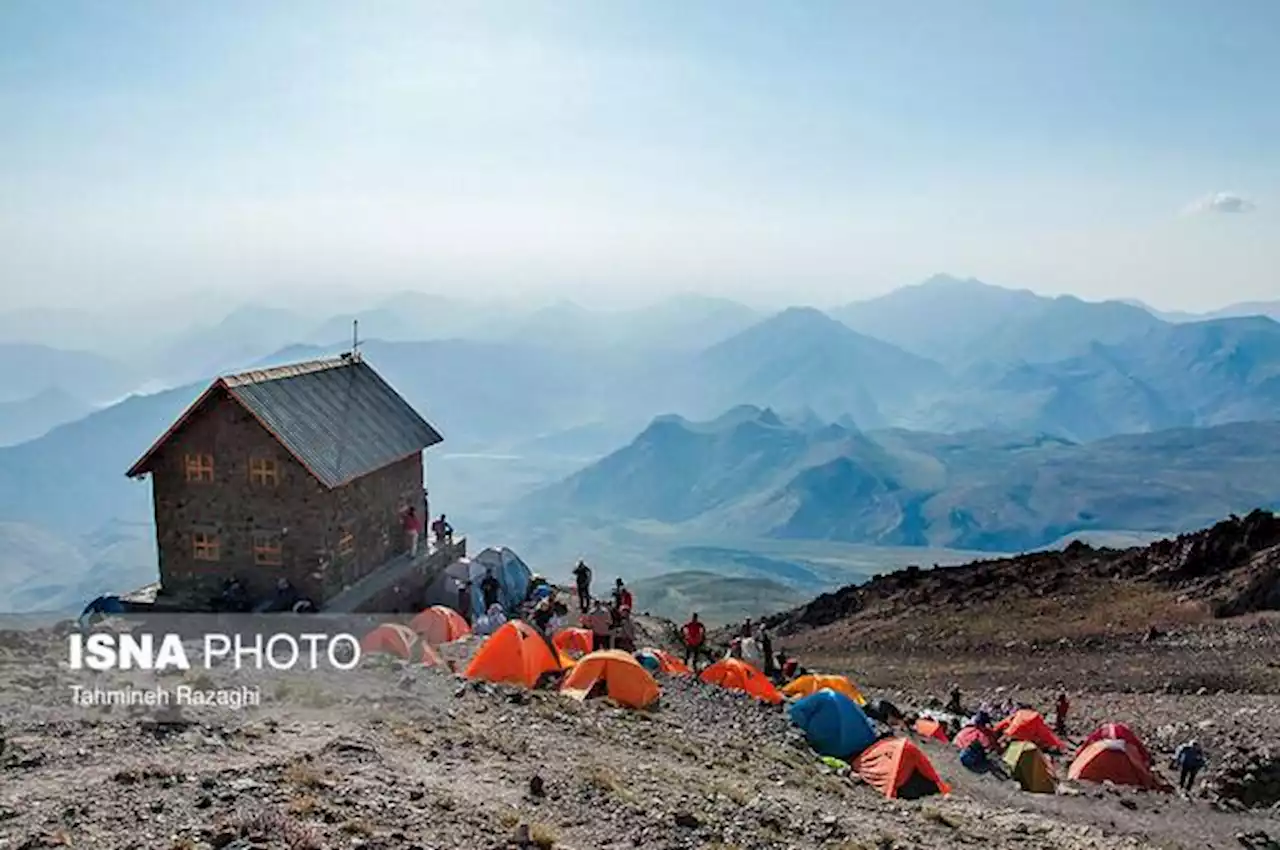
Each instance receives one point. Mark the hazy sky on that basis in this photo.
(807, 151)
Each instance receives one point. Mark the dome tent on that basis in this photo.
(515, 654)
(621, 676)
(439, 624)
(811, 683)
(1030, 768)
(897, 768)
(833, 724)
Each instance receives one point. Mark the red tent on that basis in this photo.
(1117, 761)
(1117, 731)
(930, 728)
(969, 734)
(1028, 725)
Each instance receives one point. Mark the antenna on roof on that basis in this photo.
(355, 339)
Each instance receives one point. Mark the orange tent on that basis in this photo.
(389, 639)
(811, 683)
(1118, 731)
(931, 728)
(670, 663)
(574, 640)
(1116, 760)
(624, 679)
(430, 658)
(515, 654)
(440, 624)
(740, 676)
(897, 768)
(1028, 725)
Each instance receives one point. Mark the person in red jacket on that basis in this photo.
(621, 596)
(694, 635)
(1060, 709)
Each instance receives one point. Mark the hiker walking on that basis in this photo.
(1189, 759)
(694, 635)
(442, 530)
(582, 575)
(412, 531)
(1060, 709)
(489, 588)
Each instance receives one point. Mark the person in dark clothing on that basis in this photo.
(582, 575)
(544, 612)
(953, 701)
(1189, 759)
(694, 635)
(464, 600)
(621, 596)
(745, 631)
(885, 712)
(442, 530)
(766, 649)
(489, 589)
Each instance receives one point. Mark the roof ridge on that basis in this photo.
(288, 370)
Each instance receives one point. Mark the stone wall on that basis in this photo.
(309, 520)
(232, 507)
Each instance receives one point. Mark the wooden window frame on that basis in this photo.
(346, 542)
(198, 467)
(264, 471)
(205, 546)
(268, 549)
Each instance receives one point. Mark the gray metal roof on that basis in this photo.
(337, 416)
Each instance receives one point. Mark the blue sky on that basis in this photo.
(613, 151)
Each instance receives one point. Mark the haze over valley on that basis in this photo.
(788, 447)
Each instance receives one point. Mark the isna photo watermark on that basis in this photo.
(107, 651)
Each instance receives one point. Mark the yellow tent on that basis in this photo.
(814, 682)
(1028, 765)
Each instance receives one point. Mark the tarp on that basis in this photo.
(740, 676)
(833, 724)
(624, 680)
(1028, 765)
(1027, 725)
(573, 641)
(897, 768)
(390, 639)
(512, 574)
(929, 728)
(1115, 760)
(813, 682)
(439, 624)
(515, 654)
(666, 662)
(444, 590)
(1121, 732)
(969, 734)
(102, 605)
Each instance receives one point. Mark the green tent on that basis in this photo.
(1029, 766)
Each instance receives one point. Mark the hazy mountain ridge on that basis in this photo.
(978, 491)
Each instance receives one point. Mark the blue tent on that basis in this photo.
(649, 661)
(103, 605)
(833, 724)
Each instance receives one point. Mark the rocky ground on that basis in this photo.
(398, 756)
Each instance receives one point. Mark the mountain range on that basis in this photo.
(750, 472)
(552, 390)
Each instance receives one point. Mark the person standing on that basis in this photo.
(582, 575)
(442, 530)
(412, 530)
(464, 600)
(489, 588)
(694, 635)
(621, 596)
(1060, 709)
(1189, 759)
(765, 642)
(600, 623)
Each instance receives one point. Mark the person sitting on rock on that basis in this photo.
(1189, 759)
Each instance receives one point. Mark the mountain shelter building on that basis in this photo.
(303, 472)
